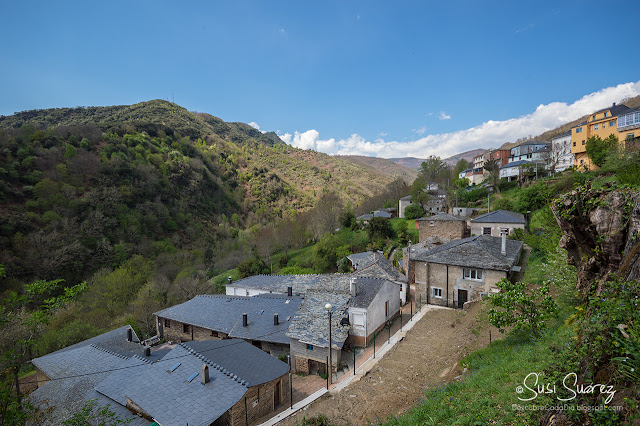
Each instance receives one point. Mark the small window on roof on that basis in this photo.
(191, 377)
(172, 369)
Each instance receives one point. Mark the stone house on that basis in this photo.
(441, 225)
(214, 382)
(192, 383)
(464, 270)
(375, 265)
(411, 258)
(493, 223)
(309, 332)
(261, 320)
(403, 203)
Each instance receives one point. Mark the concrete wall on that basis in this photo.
(437, 278)
(259, 402)
(241, 291)
(301, 355)
(376, 317)
(453, 229)
(477, 228)
(402, 204)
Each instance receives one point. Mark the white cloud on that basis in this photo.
(444, 116)
(486, 135)
(309, 140)
(421, 131)
(382, 134)
(254, 125)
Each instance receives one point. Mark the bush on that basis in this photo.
(253, 266)
(414, 211)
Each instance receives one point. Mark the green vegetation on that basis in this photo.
(599, 149)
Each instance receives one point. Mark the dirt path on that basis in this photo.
(428, 356)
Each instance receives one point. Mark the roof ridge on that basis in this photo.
(110, 352)
(217, 366)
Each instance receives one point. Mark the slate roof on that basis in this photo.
(378, 266)
(363, 257)
(481, 251)
(419, 250)
(310, 325)
(499, 216)
(406, 198)
(301, 284)
(443, 216)
(565, 134)
(614, 109)
(76, 370)
(224, 313)
(170, 398)
(366, 290)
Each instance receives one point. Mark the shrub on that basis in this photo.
(414, 211)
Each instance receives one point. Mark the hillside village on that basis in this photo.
(255, 349)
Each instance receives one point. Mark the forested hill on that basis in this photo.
(86, 188)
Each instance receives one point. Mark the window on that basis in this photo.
(167, 323)
(529, 155)
(472, 274)
(579, 130)
(486, 231)
(432, 223)
(582, 142)
(574, 144)
(606, 114)
(214, 333)
(612, 123)
(309, 347)
(630, 136)
(185, 328)
(594, 116)
(581, 161)
(437, 292)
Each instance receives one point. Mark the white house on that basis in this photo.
(561, 157)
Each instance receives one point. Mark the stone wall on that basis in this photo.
(259, 401)
(452, 229)
(175, 331)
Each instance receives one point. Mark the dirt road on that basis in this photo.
(429, 355)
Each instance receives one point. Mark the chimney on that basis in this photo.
(129, 335)
(205, 374)
(244, 320)
(290, 291)
(275, 319)
(503, 249)
(352, 286)
(229, 280)
(147, 351)
(614, 104)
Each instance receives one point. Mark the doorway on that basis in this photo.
(463, 296)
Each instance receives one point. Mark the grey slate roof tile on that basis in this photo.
(444, 217)
(481, 252)
(500, 216)
(224, 314)
(310, 324)
(301, 284)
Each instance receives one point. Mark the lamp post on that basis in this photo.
(329, 367)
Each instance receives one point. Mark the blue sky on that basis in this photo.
(375, 78)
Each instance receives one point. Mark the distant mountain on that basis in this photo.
(383, 166)
(414, 163)
(85, 188)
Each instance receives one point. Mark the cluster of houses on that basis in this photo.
(565, 151)
(222, 360)
(228, 359)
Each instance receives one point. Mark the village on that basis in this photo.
(274, 343)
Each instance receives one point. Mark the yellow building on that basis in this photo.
(601, 123)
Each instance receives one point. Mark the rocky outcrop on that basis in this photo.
(601, 233)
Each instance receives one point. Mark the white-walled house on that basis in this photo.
(493, 223)
(561, 157)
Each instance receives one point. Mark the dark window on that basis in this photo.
(574, 144)
(582, 142)
(486, 231)
(309, 347)
(167, 323)
(214, 333)
(185, 328)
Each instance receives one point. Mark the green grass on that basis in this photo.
(486, 394)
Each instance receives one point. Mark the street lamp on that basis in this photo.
(329, 368)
